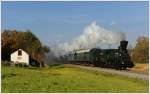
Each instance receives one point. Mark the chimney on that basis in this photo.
(123, 44)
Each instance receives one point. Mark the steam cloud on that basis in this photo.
(92, 36)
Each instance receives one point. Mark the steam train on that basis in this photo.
(108, 58)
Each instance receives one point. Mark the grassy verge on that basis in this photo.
(62, 78)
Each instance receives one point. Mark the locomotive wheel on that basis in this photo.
(118, 67)
(97, 64)
(124, 68)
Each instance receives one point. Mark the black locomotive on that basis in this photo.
(113, 58)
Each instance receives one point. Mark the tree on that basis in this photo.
(9, 43)
(141, 51)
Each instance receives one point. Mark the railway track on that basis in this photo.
(113, 71)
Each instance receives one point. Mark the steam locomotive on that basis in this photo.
(108, 58)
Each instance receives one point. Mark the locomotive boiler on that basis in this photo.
(109, 58)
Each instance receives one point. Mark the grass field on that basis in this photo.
(64, 78)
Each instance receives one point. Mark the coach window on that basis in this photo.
(19, 52)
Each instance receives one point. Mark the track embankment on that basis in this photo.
(113, 71)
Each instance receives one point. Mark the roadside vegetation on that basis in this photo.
(64, 78)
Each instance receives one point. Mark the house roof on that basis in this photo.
(21, 50)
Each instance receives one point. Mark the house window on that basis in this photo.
(19, 52)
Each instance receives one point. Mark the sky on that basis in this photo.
(64, 21)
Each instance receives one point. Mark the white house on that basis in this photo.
(20, 56)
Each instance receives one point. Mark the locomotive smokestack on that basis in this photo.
(124, 44)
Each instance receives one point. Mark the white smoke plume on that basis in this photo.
(92, 36)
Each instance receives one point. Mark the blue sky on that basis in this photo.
(52, 21)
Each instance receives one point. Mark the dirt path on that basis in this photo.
(112, 71)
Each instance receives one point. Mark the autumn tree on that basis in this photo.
(140, 53)
(9, 43)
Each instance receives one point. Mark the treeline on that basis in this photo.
(13, 40)
(140, 54)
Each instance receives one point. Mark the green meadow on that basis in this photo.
(65, 78)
